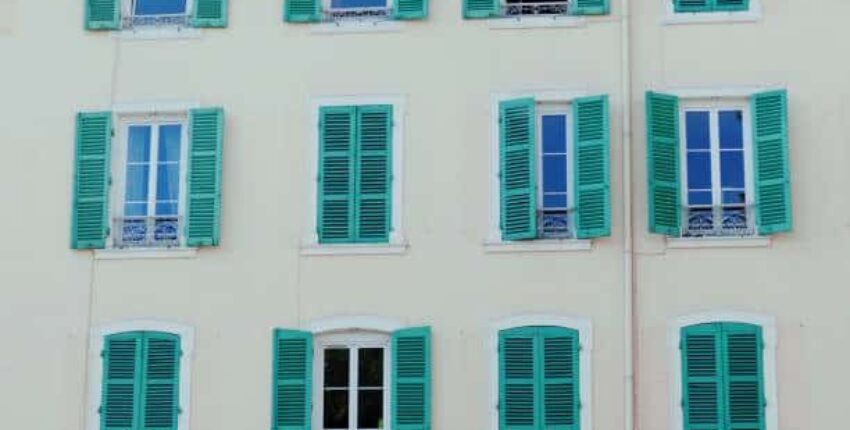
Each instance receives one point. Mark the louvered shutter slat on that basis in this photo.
(373, 173)
(592, 181)
(411, 378)
(702, 377)
(731, 5)
(301, 11)
(693, 5)
(518, 405)
(204, 185)
(473, 9)
(518, 173)
(744, 386)
(210, 14)
(90, 223)
(161, 385)
(590, 7)
(662, 124)
(337, 142)
(292, 391)
(121, 381)
(560, 378)
(103, 15)
(411, 9)
(772, 174)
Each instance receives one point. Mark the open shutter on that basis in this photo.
(591, 7)
(122, 358)
(302, 11)
(592, 178)
(518, 173)
(411, 9)
(210, 13)
(293, 375)
(745, 402)
(103, 15)
(206, 134)
(90, 222)
(473, 9)
(519, 405)
(373, 173)
(411, 379)
(662, 156)
(693, 5)
(161, 386)
(772, 175)
(560, 378)
(702, 377)
(337, 142)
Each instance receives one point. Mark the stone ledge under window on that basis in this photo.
(566, 245)
(158, 33)
(144, 253)
(718, 242)
(346, 27)
(512, 23)
(315, 249)
(752, 15)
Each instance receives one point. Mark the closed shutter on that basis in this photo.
(293, 358)
(122, 373)
(90, 221)
(206, 134)
(560, 378)
(411, 379)
(411, 9)
(693, 5)
(592, 178)
(473, 9)
(702, 382)
(662, 128)
(373, 173)
(519, 405)
(301, 11)
(103, 15)
(590, 7)
(210, 13)
(745, 404)
(518, 173)
(772, 174)
(731, 5)
(337, 144)
(161, 387)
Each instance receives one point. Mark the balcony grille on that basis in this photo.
(155, 21)
(543, 8)
(717, 222)
(147, 232)
(553, 224)
(368, 14)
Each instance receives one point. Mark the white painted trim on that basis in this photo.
(722, 92)
(545, 245)
(314, 250)
(769, 336)
(520, 22)
(310, 237)
(355, 322)
(366, 26)
(144, 253)
(671, 17)
(718, 242)
(99, 333)
(154, 107)
(584, 326)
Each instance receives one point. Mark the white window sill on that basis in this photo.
(144, 253)
(718, 242)
(536, 22)
(315, 249)
(365, 26)
(565, 245)
(158, 33)
(752, 15)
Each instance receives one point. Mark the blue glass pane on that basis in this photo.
(139, 143)
(350, 4)
(734, 197)
(168, 208)
(168, 182)
(136, 209)
(731, 129)
(554, 133)
(554, 201)
(169, 143)
(699, 198)
(137, 183)
(554, 173)
(732, 169)
(697, 130)
(699, 170)
(160, 7)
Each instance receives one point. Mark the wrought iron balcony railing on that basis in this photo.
(154, 21)
(554, 224)
(147, 232)
(541, 8)
(358, 14)
(717, 222)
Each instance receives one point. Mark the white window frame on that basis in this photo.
(753, 14)
(557, 108)
(714, 105)
(397, 242)
(584, 327)
(769, 337)
(119, 162)
(95, 365)
(127, 7)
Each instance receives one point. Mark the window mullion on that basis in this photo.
(714, 145)
(153, 170)
(353, 382)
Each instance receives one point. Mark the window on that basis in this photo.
(473, 9)
(347, 9)
(146, 14)
(553, 168)
(732, 178)
(710, 5)
(342, 11)
(156, 12)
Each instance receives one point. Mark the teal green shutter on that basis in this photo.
(473, 9)
(731, 5)
(90, 220)
(373, 173)
(693, 5)
(559, 378)
(591, 7)
(519, 404)
(662, 159)
(702, 377)
(411, 9)
(770, 149)
(745, 402)
(337, 144)
(122, 373)
(161, 386)
(210, 13)
(302, 11)
(592, 177)
(103, 15)
(411, 379)
(293, 377)
(206, 135)
(518, 173)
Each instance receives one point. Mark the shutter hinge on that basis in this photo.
(180, 353)
(100, 409)
(681, 344)
(580, 347)
(579, 404)
(108, 231)
(682, 403)
(179, 410)
(103, 353)
(112, 132)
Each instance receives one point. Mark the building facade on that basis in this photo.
(365, 214)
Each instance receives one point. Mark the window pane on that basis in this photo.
(350, 4)
(336, 409)
(135, 209)
(554, 133)
(139, 144)
(160, 7)
(336, 367)
(166, 208)
(370, 405)
(731, 129)
(554, 201)
(696, 126)
(371, 372)
(699, 170)
(696, 198)
(168, 182)
(137, 183)
(554, 173)
(736, 197)
(169, 142)
(732, 169)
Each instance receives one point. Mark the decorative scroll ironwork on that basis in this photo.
(147, 232)
(531, 8)
(702, 222)
(358, 14)
(553, 224)
(135, 21)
